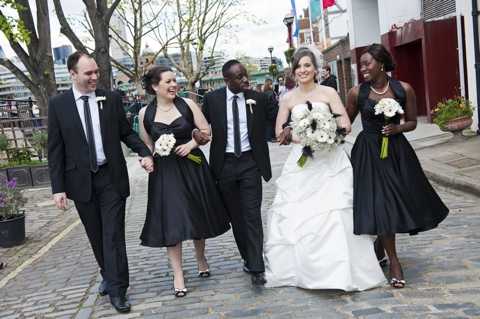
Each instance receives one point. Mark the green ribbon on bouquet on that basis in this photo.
(194, 158)
(384, 148)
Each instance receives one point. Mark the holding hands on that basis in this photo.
(200, 137)
(147, 163)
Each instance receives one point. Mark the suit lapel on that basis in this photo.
(223, 110)
(72, 106)
(101, 113)
(249, 114)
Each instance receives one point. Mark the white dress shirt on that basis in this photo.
(97, 133)
(242, 115)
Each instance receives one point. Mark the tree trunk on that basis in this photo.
(102, 55)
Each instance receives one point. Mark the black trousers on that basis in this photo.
(241, 187)
(104, 220)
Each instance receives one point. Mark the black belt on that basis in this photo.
(231, 154)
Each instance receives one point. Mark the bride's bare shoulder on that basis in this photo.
(287, 100)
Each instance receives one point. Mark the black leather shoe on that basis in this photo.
(102, 288)
(120, 303)
(258, 279)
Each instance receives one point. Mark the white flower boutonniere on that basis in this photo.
(99, 100)
(251, 102)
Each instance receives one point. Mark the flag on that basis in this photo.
(328, 3)
(315, 11)
(294, 13)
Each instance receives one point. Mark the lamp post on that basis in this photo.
(288, 21)
(270, 49)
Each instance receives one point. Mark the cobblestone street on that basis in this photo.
(442, 268)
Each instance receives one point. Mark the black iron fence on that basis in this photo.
(20, 127)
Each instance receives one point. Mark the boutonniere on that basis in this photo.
(251, 102)
(99, 100)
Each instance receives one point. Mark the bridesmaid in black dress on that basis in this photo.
(391, 195)
(183, 201)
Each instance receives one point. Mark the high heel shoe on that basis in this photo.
(204, 273)
(179, 293)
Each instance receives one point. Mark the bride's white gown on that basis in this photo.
(309, 240)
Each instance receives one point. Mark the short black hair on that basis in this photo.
(382, 55)
(73, 58)
(328, 68)
(226, 67)
(153, 76)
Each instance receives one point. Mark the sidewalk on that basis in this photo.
(455, 164)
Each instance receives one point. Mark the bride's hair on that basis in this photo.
(153, 76)
(303, 52)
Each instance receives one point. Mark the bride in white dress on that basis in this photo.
(309, 240)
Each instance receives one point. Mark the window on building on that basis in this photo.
(434, 9)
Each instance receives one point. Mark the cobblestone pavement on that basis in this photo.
(442, 268)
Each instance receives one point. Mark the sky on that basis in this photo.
(250, 39)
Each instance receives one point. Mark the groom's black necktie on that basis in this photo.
(92, 152)
(237, 144)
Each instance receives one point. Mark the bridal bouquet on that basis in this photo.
(165, 144)
(317, 129)
(389, 108)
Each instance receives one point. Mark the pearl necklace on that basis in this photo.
(383, 91)
(163, 110)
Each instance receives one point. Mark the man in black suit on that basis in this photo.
(86, 163)
(239, 157)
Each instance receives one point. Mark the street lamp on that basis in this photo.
(270, 49)
(288, 21)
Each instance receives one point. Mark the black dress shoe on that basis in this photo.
(258, 279)
(120, 303)
(102, 288)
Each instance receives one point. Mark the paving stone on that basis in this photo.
(440, 266)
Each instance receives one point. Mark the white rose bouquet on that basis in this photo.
(316, 129)
(164, 146)
(389, 108)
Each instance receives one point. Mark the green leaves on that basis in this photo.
(451, 109)
(12, 27)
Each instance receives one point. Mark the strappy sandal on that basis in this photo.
(179, 293)
(383, 262)
(397, 283)
(204, 273)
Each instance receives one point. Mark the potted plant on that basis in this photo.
(12, 215)
(453, 114)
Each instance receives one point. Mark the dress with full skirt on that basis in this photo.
(391, 195)
(309, 240)
(183, 200)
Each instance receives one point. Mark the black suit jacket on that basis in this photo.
(68, 158)
(264, 113)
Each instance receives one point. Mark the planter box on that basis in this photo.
(12, 231)
(27, 176)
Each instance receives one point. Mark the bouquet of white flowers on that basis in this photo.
(316, 129)
(389, 108)
(165, 144)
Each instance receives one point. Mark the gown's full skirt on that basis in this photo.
(310, 241)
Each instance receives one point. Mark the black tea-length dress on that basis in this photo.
(391, 195)
(183, 200)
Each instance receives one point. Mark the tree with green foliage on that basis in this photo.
(30, 39)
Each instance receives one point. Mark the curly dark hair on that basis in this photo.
(381, 55)
(153, 76)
